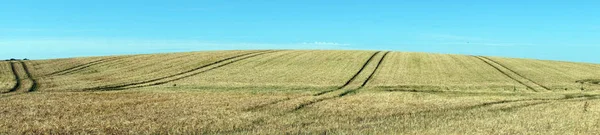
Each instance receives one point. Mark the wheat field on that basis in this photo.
(299, 92)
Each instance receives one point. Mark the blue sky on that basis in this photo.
(539, 29)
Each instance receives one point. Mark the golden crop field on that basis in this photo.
(6, 77)
(299, 92)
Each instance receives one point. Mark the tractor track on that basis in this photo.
(305, 104)
(158, 81)
(517, 73)
(301, 106)
(506, 74)
(369, 78)
(87, 66)
(360, 71)
(34, 83)
(267, 104)
(353, 77)
(374, 71)
(74, 67)
(17, 78)
(539, 101)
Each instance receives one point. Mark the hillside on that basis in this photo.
(275, 91)
(400, 70)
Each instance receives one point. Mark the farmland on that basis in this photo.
(298, 91)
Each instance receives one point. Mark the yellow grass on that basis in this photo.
(297, 92)
(7, 78)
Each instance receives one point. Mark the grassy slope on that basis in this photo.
(316, 68)
(286, 69)
(440, 72)
(554, 74)
(124, 69)
(7, 79)
(413, 93)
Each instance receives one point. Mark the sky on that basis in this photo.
(537, 29)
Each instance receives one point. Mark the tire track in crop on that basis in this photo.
(584, 97)
(267, 104)
(370, 76)
(320, 96)
(375, 71)
(74, 67)
(366, 63)
(194, 74)
(88, 65)
(363, 84)
(157, 81)
(517, 73)
(353, 77)
(506, 74)
(17, 78)
(34, 83)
